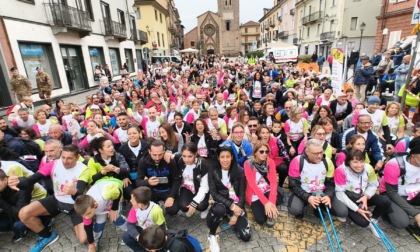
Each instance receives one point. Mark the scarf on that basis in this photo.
(261, 168)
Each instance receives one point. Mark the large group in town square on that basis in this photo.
(214, 136)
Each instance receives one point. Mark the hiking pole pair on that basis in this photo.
(388, 245)
(337, 240)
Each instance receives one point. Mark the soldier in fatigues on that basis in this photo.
(44, 83)
(20, 84)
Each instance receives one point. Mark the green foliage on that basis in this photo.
(304, 58)
(257, 54)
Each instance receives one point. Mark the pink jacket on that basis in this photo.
(252, 187)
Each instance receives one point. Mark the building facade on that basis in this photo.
(68, 39)
(211, 26)
(269, 26)
(191, 38)
(250, 36)
(323, 24)
(393, 22)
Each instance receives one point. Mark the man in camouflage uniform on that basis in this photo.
(20, 84)
(44, 83)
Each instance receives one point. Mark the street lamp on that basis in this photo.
(362, 28)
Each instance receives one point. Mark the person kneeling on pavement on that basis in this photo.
(262, 193)
(401, 184)
(355, 186)
(311, 181)
(143, 214)
(101, 201)
(227, 187)
(160, 176)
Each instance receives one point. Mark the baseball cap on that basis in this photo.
(94, 107)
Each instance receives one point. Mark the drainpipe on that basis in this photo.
(384, 8)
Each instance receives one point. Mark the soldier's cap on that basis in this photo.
(13, 69)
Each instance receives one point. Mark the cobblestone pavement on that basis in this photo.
(288, 235)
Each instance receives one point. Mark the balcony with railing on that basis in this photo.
(143, 37)
(63, 18)
(312, 17)
(272, 24)
(283, 35)
(115, 29)
(327, 36)
(295, 41)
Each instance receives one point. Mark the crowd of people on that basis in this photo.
(210, 136)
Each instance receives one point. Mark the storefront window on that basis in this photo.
(129, 60)
(39, 55)
(114, 55)
(96, 57)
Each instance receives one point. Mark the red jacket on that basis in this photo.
(274, 151)
(252, 187)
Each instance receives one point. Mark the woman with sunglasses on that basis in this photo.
(262, 193)
(355, 187)
(278, 152)
(227, 187)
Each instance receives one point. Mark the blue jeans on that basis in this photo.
(397, 89)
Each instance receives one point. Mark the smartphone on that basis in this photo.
(163, 180)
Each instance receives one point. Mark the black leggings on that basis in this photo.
(215, 217)
(258, 208)
(283, 171)
(156, 197)
(184, 199)
(382, 206)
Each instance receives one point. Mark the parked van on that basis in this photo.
(169, 58)
(282, 54)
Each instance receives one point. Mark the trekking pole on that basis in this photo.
(383, 237)
(324, 223)
(326, 229)
(337, 240)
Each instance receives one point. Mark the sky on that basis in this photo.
(190, 10)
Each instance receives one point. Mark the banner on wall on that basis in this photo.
(337, 70)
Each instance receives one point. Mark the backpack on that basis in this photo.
(303, 157)
(181, 240)
(33, 153)
(10, 109)
(401, 165)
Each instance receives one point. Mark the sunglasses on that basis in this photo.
(252, 126)
(264, 151)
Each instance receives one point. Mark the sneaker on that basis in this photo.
(20, 231)
(270, 222)
(44, 242)
(342, 219)
(214, 245)
(203, 214)
(374, 232)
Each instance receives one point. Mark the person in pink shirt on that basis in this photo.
(402, 143)
(401, 183)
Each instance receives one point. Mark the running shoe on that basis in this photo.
(203, 214)
(270, 222)
(44, 242)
